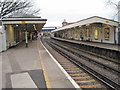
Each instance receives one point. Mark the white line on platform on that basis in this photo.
(66, 74)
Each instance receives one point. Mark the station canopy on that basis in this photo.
(25, 22)
(88, 21)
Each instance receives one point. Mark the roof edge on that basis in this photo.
(97, 17)
(23, 19)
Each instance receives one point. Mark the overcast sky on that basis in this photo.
(55, 11)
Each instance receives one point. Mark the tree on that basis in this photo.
(116, 6)
(13, 7)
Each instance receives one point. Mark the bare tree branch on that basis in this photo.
(11, 7)
(117, 7)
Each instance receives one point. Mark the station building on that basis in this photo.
(95, 29)
(17, 29)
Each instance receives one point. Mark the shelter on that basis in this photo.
(17, 29)
(96, 29)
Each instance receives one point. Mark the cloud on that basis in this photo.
(72, 10)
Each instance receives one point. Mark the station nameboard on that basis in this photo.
(23, 21)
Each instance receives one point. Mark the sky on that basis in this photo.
(55, 11)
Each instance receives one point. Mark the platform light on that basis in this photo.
(87, 24)
(16, 25)
(107, 21)
(74, 27)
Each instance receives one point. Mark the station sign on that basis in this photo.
(23, 21)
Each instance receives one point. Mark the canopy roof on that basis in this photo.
(94, 19)
(32, 23)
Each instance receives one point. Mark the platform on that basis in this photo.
(34, 65)
(95, 44)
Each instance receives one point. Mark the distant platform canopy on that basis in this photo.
(48, 29)
(95, 29)
(91, 20)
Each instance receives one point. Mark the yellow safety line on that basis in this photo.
(44, 71)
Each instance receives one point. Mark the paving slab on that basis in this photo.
(22, 80)
(38, 78)
(36, 75)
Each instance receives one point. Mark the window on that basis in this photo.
(96, 34)
(107, 33)
(81, 35)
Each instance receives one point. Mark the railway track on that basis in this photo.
(77, 47)
(84, 79)
(109, 65)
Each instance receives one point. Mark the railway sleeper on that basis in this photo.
(91, 60)
(104, 79)
(96, 74)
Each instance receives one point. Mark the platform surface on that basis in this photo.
(32, 64)
(96, 44)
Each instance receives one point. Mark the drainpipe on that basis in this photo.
(119, 22)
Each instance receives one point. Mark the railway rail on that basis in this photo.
(88, 65)
(105, 63)
(110, 54)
